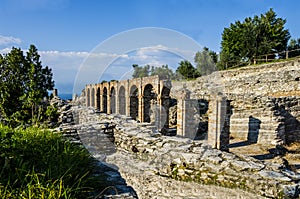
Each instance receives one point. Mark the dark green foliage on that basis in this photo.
(24, 83)
(244, 42)
(293, 48)
(140, 71)
(206, 61)
(145, 71)
(41, 164)
(164, 72)
(187, 70)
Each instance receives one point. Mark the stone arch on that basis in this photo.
(88, 97)
(112, 100)
(98, 105)
(165, 105)
(149, 97)
(122, 101)
(93, 97)
(104, 98)
(134, 102)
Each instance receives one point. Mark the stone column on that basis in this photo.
(186, 112)
(108, 101)
(117, 111)
(217, 133)
(101, 102)
(55, 93)
(141, 108)
(127, 104)
(163, 112)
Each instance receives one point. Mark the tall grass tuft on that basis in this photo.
(37, 163)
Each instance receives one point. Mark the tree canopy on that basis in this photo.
(206, 61)
(243, 42)
(24, 83)
(293, 48)
(187, 70)
(144, 71)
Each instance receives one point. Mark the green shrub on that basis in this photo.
(36, 163)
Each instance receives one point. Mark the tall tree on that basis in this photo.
(24, 82)
(12, 74)
(140, 71)
(206, 61)
(39, 79)
(164, 72)
(144, 71)
(187, 70)
(243, 42)
(293, 48)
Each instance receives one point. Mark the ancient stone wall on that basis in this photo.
(264, 100)
(187, 160)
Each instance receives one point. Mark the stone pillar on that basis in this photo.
(117, 111)
(187, 123)
(141, 108)
(163, 112)
(127, 104)
(55, 93)
(108, 101)
(218, 135)
(95, 97)
(101, 102)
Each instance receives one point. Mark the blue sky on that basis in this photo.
(66, 31)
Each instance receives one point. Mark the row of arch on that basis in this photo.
(135, 98)
(148, 100)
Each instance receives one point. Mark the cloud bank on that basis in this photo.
(9, 40)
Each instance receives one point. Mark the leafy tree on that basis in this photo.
(206, 61)
(243, 42)
(187, 70)
(293, 48)
(164, 72)
(140, 71)
(144, 71)
(12, 73)
(24, 82)
(39, 80)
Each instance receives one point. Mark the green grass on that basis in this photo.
(36, 163)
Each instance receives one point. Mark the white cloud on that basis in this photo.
(8, 40)
(79, 68)
(66, 65)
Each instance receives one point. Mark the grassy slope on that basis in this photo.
(36, 163)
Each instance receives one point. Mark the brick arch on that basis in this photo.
(122, 100)
(112, 100)
(133, 101)
(165, 105)
(104, 99)
(98, 99)
(92, 97)
(149, 97)
(88, 97)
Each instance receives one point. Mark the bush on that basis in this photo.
(36, 163)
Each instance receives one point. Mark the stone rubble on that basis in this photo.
(91, 136)
(157, 166)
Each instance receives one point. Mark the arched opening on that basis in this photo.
(112, 100)
(202, 129)
(165, 104)
(172, 111)
(149, 98)
(134, 102)
(122, 101)
(93, 97)
(98, 99)
(104, 97)
(88, 97)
